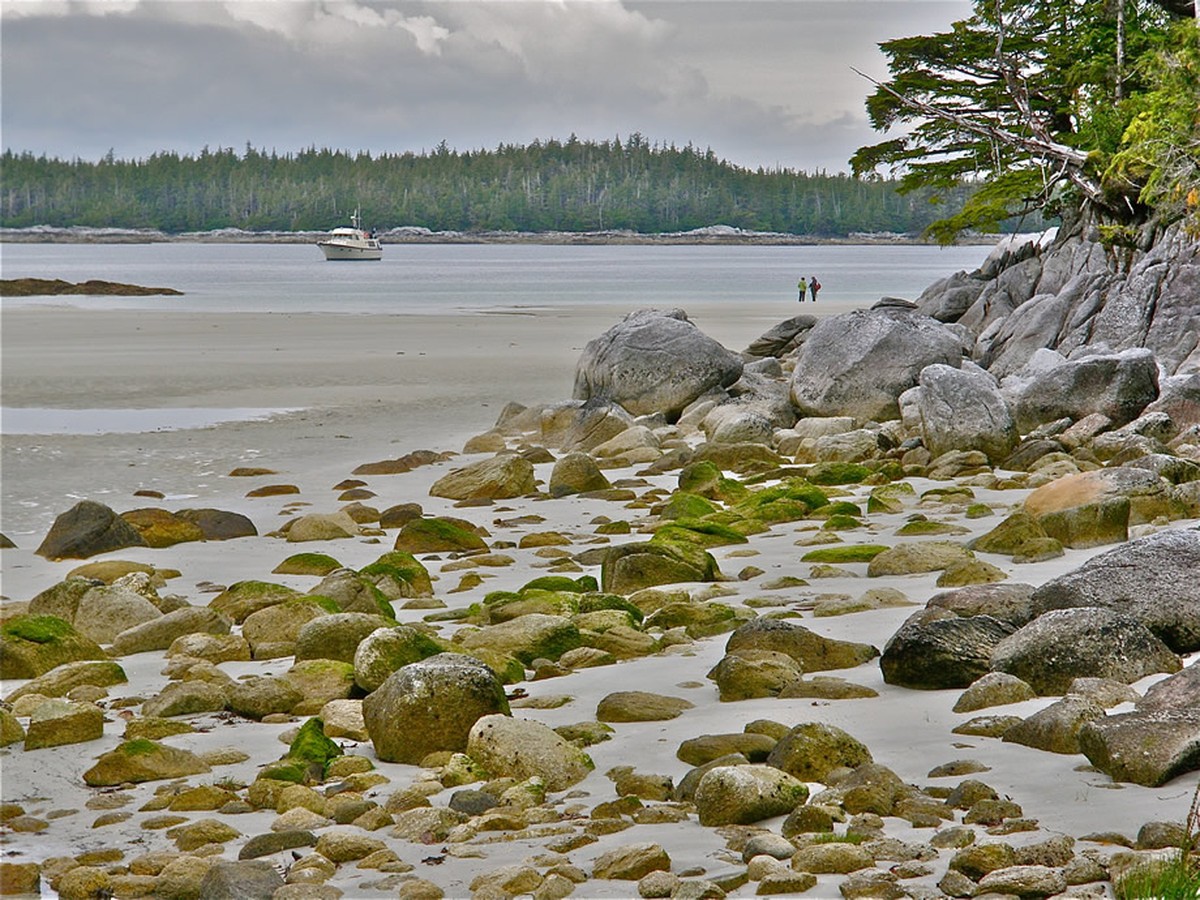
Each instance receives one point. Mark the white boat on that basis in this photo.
(351, 243)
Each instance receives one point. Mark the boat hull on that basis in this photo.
(336, 251)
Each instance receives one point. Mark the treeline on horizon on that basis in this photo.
(544, 186)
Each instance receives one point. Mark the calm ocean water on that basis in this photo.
(445, 278)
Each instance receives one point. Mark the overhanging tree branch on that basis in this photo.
(1071, 160)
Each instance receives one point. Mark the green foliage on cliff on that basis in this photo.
(546, 186)
(1048, 105)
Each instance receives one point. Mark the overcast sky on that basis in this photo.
(761, 82)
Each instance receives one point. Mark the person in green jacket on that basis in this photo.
(802, 287)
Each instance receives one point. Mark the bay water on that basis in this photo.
(451, 278)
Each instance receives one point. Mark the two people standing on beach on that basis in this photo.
(811, 285)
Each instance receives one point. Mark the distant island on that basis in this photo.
(53, 287)
(592, 191)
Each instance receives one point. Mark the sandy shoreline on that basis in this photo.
(375, 387)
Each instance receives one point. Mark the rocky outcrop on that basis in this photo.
(654, 361)
(1065, 291)
(858, 364)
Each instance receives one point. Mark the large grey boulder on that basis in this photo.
(1118, 385)
(654, 361)
(1064, 644)
(962, 409)
(107, 610)
(1151, 579)
(431, 705)
(937, 649)
(859, 363)
(1180, 691)
(1009, 602)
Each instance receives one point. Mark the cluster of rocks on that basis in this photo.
(897, 418)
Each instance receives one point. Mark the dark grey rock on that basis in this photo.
(86, 529)
(1009, 602)
(936, 649)
(242, 880)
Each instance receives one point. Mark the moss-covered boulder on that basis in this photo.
(399, 574)
(830, 473)
(527, 637)
(1010, 536)
(789, 501)
(242, 598)
(161, 527)
(439, 535)
(143, 760)
(11, 730)
(631, 567)
(431, 705)
(698, 619)
(811, 750)
(705, 479)
(844, 553)
(310, 744)
(337, 636)
(503, 476)
(386, 650)
(319, 564)
(890, 498)
(504, 606)
(86, 529)
(33, 645)
(814, 652)
(702, 533)
(353, 592)
(684, 505)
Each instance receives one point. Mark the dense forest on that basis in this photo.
(575, 185)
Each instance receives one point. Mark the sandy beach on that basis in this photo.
(367, 388)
